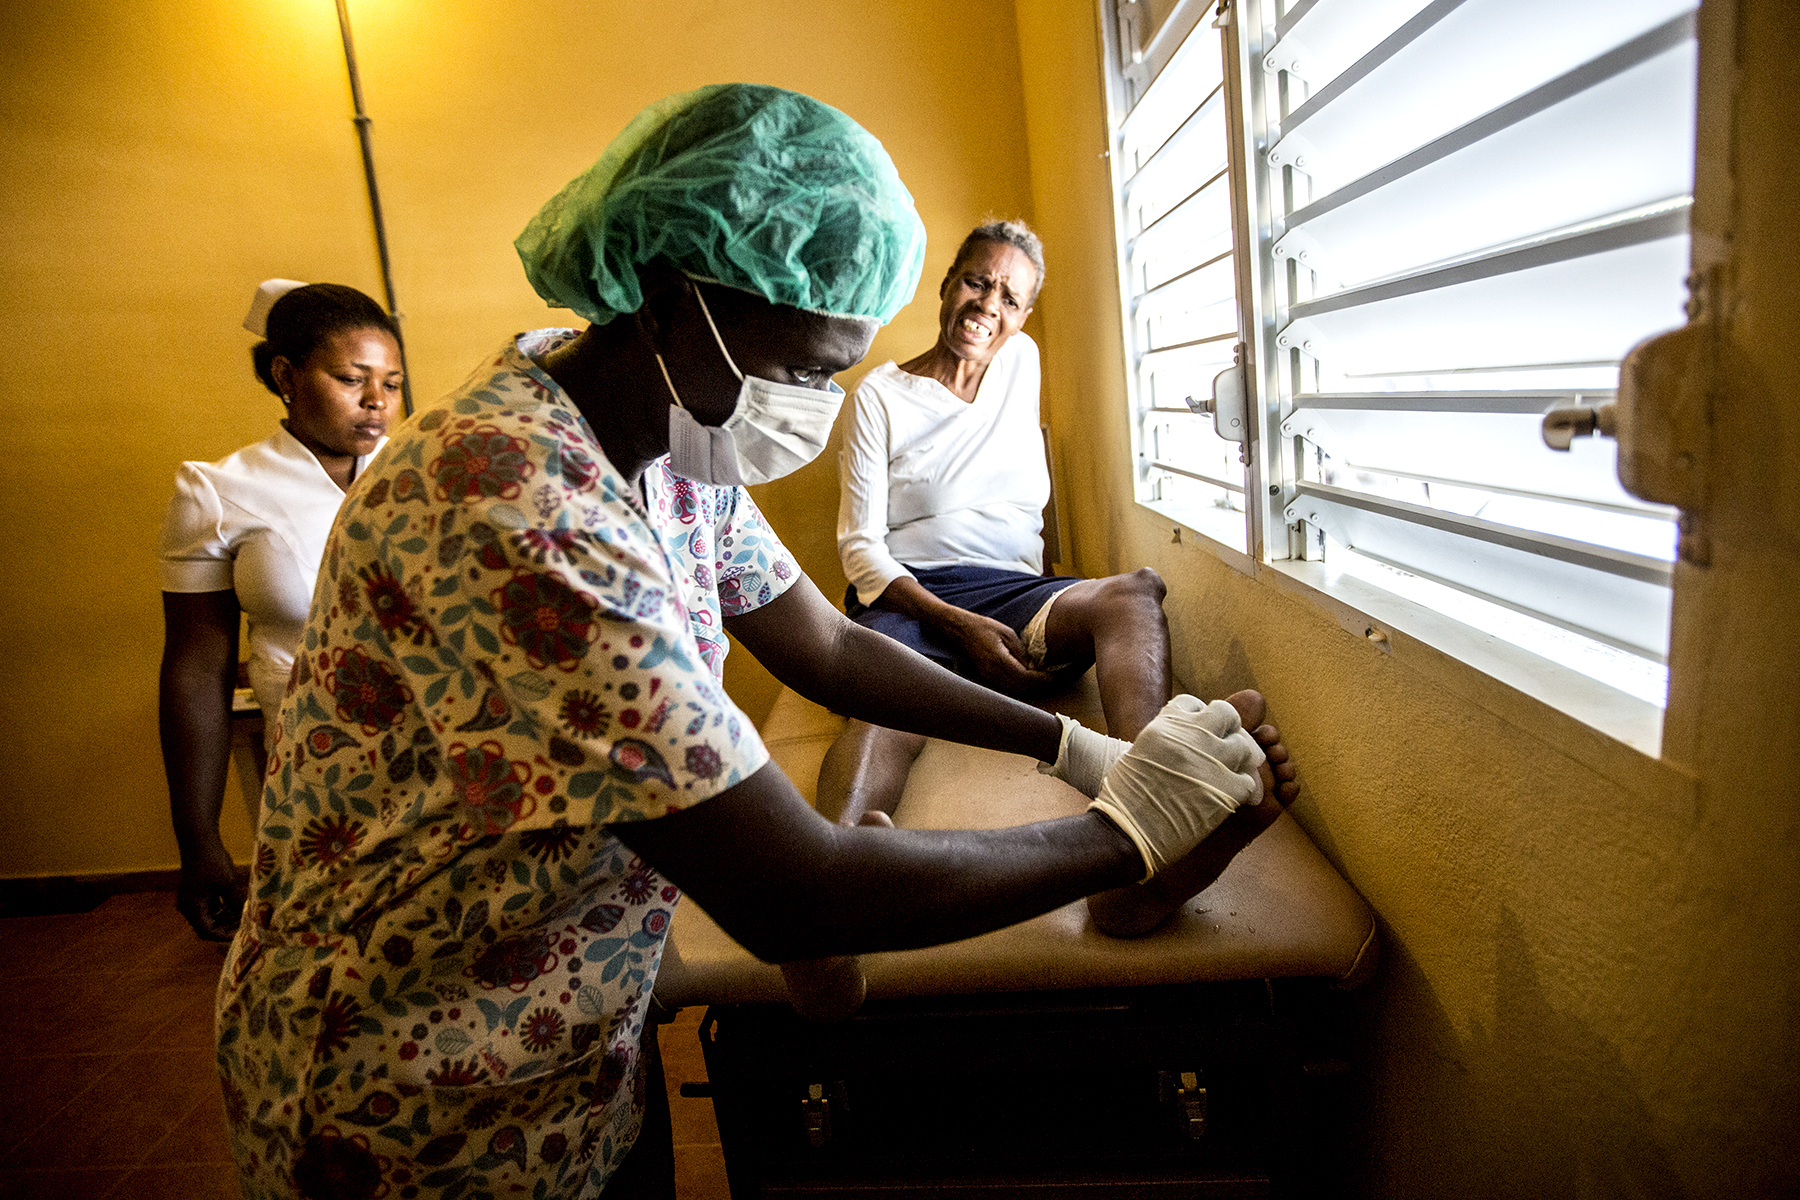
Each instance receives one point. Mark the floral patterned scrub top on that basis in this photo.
(439, 985)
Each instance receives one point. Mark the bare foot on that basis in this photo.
(825, 989)
(1279, 778)
(1136, 910)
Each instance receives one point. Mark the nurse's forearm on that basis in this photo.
(789, 885)
(884, 683)
(194, 717)
(856, 672)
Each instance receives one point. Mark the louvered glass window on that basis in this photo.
(1169, 153)
(1455, 215)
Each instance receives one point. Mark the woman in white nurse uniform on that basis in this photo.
(245, 535)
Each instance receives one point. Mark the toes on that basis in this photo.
(1279, 775)
(1250, 707)
(1287, 777)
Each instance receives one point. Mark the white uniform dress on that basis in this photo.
(255, 523)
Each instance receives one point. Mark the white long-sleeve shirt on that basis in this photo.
(932, 481)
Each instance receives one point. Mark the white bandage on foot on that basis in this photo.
(1189, 770)
(1083, 757)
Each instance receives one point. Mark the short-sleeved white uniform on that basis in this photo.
(255, 523)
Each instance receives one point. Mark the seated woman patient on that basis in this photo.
(943, 485)
(505, 752)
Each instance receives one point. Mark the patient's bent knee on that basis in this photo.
(1139, 587)
(1150, 582)
(891, 743)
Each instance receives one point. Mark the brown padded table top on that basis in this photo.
(1280, 909)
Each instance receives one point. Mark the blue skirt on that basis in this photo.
(1010, 597)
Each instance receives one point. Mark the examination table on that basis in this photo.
(1207, 1058)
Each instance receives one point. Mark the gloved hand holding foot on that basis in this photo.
(1192, 767)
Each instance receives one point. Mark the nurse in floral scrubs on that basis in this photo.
(505, 751)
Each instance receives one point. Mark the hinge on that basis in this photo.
(1298, 244)
(1319, 517)
(1298, 335)
(1287, 55)
(1295, 151)
(1308, 423)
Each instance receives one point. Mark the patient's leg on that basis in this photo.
(860, 783)
(1135, 910)
(865, 771)
(1118, 623)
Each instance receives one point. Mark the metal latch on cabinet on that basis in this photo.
(815, 1116)
(1228, 404)
(1184, 1094)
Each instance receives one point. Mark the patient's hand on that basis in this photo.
(995, 649)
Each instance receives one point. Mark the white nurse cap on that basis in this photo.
(267, 293)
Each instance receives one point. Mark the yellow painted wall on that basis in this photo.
(157, 161)
(1591, 957)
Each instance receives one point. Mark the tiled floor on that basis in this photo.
(112, 1091)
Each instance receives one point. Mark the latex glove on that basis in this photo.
(1189, 770)
(1083, 757)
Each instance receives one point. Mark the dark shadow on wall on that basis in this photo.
(1540, 1105)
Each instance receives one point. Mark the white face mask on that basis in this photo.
(775, 428)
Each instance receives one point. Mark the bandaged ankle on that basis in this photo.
(1083, 757)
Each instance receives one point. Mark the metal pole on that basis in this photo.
(362, 122)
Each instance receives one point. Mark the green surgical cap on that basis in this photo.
(753, 187)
